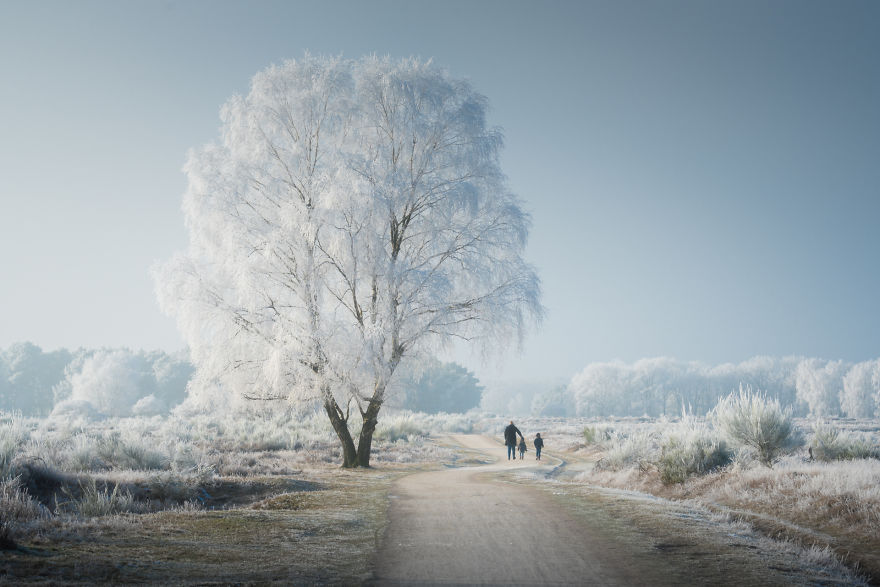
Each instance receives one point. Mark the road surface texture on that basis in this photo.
(468, 526)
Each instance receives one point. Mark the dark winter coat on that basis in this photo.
(510, 435)
(539, 443)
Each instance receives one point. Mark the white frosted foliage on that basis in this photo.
(352, 216)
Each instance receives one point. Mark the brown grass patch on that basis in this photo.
(321, 527)
(834, 505)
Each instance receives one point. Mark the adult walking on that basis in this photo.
(510, 440)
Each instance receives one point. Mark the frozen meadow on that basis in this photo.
(64, 480)
(347, 224)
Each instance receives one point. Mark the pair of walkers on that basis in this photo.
(510, 434)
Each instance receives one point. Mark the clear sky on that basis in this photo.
(704, 177)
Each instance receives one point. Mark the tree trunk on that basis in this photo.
(365, 442)
(340, 425)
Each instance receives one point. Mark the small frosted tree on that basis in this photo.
(352, 215)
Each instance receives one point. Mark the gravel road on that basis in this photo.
(461, 526)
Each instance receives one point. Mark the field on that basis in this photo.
(825, 507)
(261, 498)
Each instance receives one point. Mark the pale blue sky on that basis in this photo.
(704, 177)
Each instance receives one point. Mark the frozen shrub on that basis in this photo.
(94, 502)
(149, 406)
(7, 540)
(16, 509)
(756, 423)
(628, 450)
(594, 434)
(83, 455)
(16, 505)
(692, 448)
(12, 435)
(830, 444)
(123, 453)
(75, 409)
(398, 428)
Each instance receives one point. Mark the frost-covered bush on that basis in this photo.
(398, 427)
(691, 448)
(828, 443)
(98, 450)
(597, 433)
(127, 452)
(93, 501)
(17, 509)
(637, 449)
(149, 406)
(754, 422)
(75, 409)
(13, 435)
(82, 454)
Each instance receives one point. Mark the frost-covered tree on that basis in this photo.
(108, 381)
(861, 389)
(352, 215)
(120, 382)
(664, 386)
(440, 387)
(555, 402)
(820, 384)
(31, 375)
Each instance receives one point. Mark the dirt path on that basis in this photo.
(468, 525)
(461, 526)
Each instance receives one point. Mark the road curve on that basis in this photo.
(459, 526)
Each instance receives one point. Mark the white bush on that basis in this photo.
(691, 448)
(75, 409)
(828, 443)
(13, 434)
(637, 449)
(757, 423)
(149, 406)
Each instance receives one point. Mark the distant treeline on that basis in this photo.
(121, 382)
(653, 387)
(110, 382)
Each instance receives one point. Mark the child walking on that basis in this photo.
(539, 444)
(522, 448)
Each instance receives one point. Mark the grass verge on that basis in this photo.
(326, 535)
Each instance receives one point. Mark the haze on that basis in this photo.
(702, 177)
